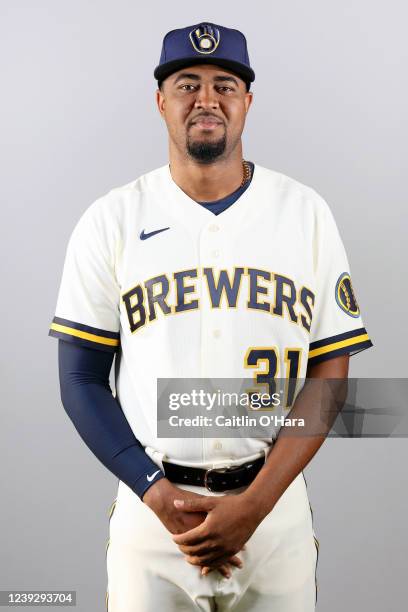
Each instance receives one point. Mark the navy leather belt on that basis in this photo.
(216, 480)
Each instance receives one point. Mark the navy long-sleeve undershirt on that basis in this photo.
(98, 417)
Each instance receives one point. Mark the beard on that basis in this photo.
(206, 152)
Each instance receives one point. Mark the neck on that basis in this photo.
(207, 182)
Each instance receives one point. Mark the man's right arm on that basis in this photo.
(99, 419)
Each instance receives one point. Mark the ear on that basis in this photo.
(248, 100)
(160, 101)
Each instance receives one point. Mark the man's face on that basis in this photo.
(204, 107)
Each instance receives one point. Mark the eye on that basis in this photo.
(187, 87)
(225, 88)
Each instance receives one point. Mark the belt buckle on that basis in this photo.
(230, 468)
(219, 471)
(206, 479)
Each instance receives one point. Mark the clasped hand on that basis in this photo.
(216, 541)
(209, 530)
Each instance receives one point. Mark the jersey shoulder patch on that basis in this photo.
(345, 297)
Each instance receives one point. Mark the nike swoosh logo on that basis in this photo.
(150, 478)
(144, 236)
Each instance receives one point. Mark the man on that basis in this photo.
(252, 264)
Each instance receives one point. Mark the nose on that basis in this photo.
(206, 98)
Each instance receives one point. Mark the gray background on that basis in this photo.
(78, 118)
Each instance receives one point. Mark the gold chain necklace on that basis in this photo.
(246, 172)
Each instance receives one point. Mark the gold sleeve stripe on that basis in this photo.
(64, 329)
(338, 345)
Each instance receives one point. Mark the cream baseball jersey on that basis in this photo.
(177, 292)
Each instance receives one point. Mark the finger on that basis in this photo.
(195, 504)
(200, 549)
(232, 561)
(235, 561)
(223, 569)
(212, 560)
(194, 536)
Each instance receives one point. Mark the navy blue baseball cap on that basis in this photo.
(205, 43)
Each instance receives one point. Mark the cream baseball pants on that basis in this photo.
(148, 573)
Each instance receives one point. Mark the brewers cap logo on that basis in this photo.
(345, 297)
(205, 38)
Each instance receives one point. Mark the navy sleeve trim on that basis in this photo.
(348, 343)
(84, 335)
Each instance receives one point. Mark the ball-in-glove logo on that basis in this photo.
(205, 38)
(345, 297)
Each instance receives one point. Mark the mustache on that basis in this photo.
(207, 115)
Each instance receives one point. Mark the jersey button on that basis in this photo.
(217, 445)
(214, 228)
(216, 254)
(217, 333)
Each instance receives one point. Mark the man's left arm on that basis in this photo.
(291, 453)
(232, 519)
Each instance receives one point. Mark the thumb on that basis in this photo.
(203, 504)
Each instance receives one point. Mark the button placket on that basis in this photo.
(209, 254)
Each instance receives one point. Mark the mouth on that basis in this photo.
(206, 123)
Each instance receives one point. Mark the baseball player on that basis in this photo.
(209, 266)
